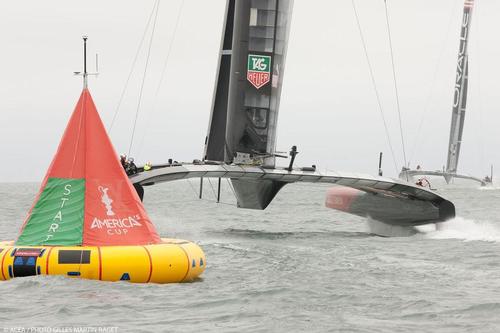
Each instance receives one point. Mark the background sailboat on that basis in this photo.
(458, 110)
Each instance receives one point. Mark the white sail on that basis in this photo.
(458, 111)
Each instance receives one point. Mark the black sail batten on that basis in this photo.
(216, 137)
(460, 92)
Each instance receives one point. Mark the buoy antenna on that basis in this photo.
(85, 82)
(85, 74)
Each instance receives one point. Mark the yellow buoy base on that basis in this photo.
(173, 260)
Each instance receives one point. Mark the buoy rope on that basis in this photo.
(132, 67)
(144, 78)
(374, 84)
(395, 84)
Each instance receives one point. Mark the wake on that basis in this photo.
(458, 228)
(489, 188)
(465, 229)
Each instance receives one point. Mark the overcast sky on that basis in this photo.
(328, 106)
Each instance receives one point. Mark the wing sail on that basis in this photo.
(250, 76)
(460, 91)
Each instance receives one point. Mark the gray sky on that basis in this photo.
(328, 107)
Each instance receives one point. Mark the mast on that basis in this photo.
(244, 115)
(460, 92)
(245, 107)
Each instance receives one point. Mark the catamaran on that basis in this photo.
(458, 111)
(241, 140)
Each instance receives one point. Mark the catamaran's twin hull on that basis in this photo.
(387, 208)
(387, 200)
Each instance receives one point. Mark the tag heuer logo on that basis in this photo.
(258, 70)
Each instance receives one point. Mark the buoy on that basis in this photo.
(171, 260)
(88, 221)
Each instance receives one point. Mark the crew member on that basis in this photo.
(123, 161)
(131, 167)
(424, 182)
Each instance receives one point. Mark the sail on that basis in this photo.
(250, 77)
(86, 197)
(460, 91)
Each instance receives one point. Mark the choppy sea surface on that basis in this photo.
(295, 267)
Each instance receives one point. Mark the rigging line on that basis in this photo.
(395, 85)
(220, 202)
(433, 84)
(144, 77)
(372, 76)
(192, 187)
(132, 68)
(213, 190)
(232, 189)
(165, 65)
(477, 45)
(227, 203)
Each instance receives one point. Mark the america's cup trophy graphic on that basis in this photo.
(106, 200)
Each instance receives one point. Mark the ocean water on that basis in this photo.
(295, 267)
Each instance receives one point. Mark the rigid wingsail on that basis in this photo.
(460, 89)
